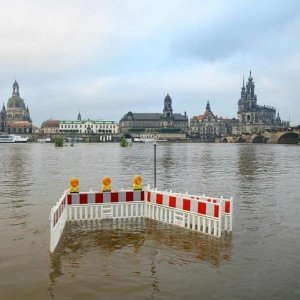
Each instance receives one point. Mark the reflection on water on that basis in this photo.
(147, 242)
(248, 163)
(148, 259)
(15, 184)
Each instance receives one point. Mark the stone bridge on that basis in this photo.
(291, 136)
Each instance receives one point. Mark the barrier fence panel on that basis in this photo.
(105, 211)
(58, 217)
(199, 213)
(210, 224)
(226, 207)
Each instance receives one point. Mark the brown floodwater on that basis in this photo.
(145, 259)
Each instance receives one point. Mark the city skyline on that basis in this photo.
(108, 58)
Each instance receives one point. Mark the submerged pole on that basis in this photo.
(154, 164)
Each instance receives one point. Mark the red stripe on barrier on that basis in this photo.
(114, 197)
(172, 201)
(99, 198)
(159, 199)
(142, 195)
(148, 196)
(227, 207)
(186, 204)
(214, 201)
(202, 208)
(216, 211)
(69, 199)
(129, 196)
(83, 199)
(208, 200)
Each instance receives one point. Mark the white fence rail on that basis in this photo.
(58, 217)
(204, 214)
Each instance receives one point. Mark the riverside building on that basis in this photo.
(50, 126)
(165, 122)
(207, 125)
(253, 117)
(88, 126)
(16, 117)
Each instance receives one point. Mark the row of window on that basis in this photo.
(86, 126)
(87, 131)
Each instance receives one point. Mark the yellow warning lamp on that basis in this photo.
(74, 188)
(106, 187)
(137, 183)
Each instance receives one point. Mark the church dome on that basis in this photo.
(15, 102)
(16, 109)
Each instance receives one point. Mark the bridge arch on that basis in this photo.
(224, 140)
(241, 140)
(288, 138)
(259, 139)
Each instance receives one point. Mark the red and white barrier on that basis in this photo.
(105, 197)
(200, 213)
(225, 204)
(58, 217)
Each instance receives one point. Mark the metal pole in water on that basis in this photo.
(154, 164)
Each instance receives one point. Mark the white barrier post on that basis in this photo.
(220, 220)
(231, 210)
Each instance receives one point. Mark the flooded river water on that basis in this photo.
(146, 259)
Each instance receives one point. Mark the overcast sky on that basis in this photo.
(108, 57)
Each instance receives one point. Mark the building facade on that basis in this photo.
(167, 121)
(88, 126)
(50, 126)
(253, 117)
(207, 125)
(16, 117)
(18, 127)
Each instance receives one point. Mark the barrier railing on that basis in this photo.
(226, 207)
(199, 213)
(186, 212)
(58, 217)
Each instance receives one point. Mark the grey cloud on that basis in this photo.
(244, 26)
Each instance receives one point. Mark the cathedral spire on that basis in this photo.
(250, 76)
(243, 87)
(207, 106)
(79, 116)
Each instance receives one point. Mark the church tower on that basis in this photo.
(247, 104)
(79, 116)
(167, 112)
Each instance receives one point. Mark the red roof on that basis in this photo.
(18, 124)
(50, 123)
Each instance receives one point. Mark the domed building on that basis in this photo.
(16, 117)
(16, 109)
(50, 126)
